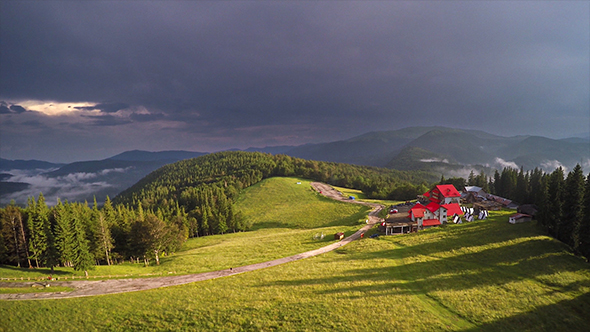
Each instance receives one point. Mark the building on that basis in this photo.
(443, 206)
(519, 217)
(444, 194)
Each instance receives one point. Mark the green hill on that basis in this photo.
(206, 187)
(481, 276)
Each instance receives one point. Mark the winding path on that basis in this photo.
(112, 286)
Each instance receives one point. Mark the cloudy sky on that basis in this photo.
(87, 80)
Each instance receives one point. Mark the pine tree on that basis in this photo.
(497, 190)
(582, 244)
(521, 192)
(541, 200)
(83, 259)
(572, 206)
(62, 214)
(554, 208)
(36, 223)
(14, 235)
(536, 187)
(103, 238)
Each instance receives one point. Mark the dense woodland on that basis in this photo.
(190, 198)
(196, 197)
(563, 201)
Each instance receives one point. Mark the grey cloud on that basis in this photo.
(106, 108)
(108, 120)
(345, 67)
(6, 108)
(146, 117)
(17, 109)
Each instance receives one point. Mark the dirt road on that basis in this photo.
(112, 286)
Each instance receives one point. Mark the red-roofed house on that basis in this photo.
(445, 194)
(430, 223)
(444, 204)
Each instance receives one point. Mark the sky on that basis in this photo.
(88, 80)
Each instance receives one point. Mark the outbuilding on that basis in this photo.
(519, 217)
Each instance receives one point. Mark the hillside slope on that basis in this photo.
(481, 276)
(462, 148)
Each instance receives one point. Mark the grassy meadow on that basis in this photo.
(486, 275)
(480, 276)
(285, 217)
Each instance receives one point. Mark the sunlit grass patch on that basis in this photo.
(35, 289)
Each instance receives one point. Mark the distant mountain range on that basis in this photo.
(6, 164)
(449, 149)
(444, 150)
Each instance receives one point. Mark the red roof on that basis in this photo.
(418, 213)
(432, 206)
(430, 222)
(417, 206)
(453, 209)
(448, 190)
(426, 194)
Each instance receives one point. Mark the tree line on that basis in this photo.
(562, 201)
(196, 197)
(186, 199)
(79, 236)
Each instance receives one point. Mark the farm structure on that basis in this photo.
(439, 206)
(443, 206)
(519, 217)
(477, 196)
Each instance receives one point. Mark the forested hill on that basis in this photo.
(206, 186)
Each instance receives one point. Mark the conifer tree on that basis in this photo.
(14, 234)
(103, 238)
(582, 244)
(83, 259)
(62, 215)
(554, 207)
(572, 206)
(536, 187)
(36, 219)
(497, 183)
(521, 192)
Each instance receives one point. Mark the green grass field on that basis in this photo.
(486, 275)
(359, 195)
(285, 217)
(481, 276)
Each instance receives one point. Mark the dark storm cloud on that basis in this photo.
(17, 109)
(106, 108)
(5, 108)
(107, 120)
(146, 117)
(297, 72)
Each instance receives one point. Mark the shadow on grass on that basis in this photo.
(490, 260)
(24, 271)
(573, 317)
